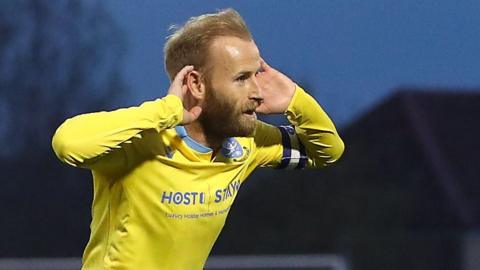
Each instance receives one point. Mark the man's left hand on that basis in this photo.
(276, 88)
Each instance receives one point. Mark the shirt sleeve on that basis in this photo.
(311, 140)
(104, 139)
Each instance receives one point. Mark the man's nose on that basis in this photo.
(256, 92)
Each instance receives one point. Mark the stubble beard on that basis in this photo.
(222, 119)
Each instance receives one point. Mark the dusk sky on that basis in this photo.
(348, 54)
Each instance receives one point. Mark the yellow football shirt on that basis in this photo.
(160, 198)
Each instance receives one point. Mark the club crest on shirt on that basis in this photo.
(231, 148)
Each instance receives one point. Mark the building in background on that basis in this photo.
(405, 195)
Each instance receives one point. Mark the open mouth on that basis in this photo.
(250, 113)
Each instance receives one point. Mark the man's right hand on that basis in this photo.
(179, 88)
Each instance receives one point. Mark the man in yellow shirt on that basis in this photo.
(166, 173)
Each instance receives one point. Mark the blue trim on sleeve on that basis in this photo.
(302, 163)
(182, 133)
(287, 148)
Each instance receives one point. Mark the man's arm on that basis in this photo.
(314, 129)
(86, 140)
(89, 136)
(313, 141)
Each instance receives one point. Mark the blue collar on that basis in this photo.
(182, 132)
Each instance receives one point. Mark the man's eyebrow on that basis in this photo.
(248, 71)
(243, 72)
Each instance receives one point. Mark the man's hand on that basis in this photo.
(276, 88)
(179, 88)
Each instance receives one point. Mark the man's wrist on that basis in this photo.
(296, 92)
(176, 106)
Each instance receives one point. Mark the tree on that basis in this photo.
(57, 59)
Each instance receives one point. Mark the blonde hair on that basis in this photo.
(189, 44)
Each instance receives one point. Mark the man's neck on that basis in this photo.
(196, 131)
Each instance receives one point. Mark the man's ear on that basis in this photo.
(195, 85)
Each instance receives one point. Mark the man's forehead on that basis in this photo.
(235, 54)
(233, 51)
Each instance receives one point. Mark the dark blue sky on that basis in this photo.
(350, 54)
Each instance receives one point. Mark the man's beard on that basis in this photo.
(222, 119)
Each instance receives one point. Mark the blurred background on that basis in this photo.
(401, 79)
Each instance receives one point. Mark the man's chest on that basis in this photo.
(182, 190)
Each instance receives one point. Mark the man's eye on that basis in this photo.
(242, 78)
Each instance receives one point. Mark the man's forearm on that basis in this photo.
(92, 135)
(314, 129)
